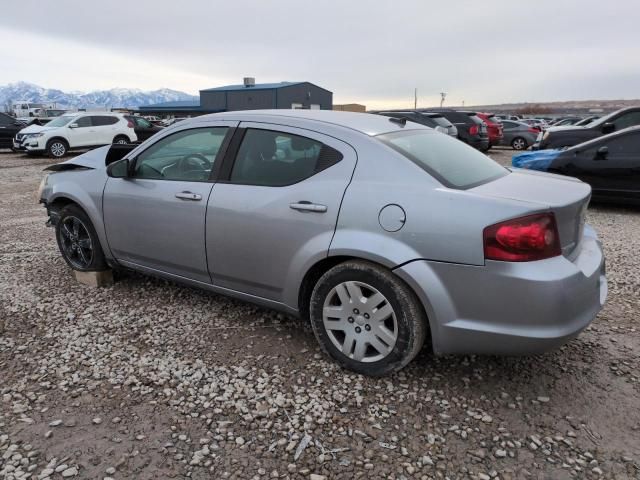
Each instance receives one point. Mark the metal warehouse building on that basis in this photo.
(248, 96)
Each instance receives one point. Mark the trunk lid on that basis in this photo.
(566, 197)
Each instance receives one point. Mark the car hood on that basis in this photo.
(535, 160)
(33, 129)
(94, 159)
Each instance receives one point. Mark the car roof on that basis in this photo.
(366, 123)
(76, 114)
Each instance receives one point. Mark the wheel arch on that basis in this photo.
(60, 139)
(121, 135)
(322, 266)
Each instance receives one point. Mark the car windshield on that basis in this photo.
(493, 119)
(448, 160)
(60, 121)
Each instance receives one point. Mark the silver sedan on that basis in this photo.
(380, 232)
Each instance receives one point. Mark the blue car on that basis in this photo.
(610, 164)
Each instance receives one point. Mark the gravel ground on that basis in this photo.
(149, 379)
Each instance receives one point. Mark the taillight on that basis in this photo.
(534, 130)
(129, 124)
(473, 130)
(524, 239)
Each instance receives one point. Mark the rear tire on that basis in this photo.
(78, 241)
(519, 143)
(121, 140)
(57, 148)
(366, 318)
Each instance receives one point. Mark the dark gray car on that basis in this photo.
(518, 135)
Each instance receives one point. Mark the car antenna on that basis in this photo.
(398, 120)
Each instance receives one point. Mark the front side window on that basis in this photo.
(276, 159)
(188, 155)
(83, 122)
(623, 145)
(627, 120)
(448, 160)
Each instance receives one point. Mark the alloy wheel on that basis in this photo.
(58, 149)
(360, 321)
(76, 242)
(519, 144)
(121, 141)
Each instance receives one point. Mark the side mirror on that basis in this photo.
(119, 169)
(608, 127)
(602, 152)
(73, 125)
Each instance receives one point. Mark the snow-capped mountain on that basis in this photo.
(116, 97)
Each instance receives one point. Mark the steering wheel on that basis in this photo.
(194, 162)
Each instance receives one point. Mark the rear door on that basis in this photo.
(275, 206)
(156, 218)
(104, 129)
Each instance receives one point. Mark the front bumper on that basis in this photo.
(511, 308)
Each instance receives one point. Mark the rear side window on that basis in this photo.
(448, 160)
(103, 120)
(277, 159)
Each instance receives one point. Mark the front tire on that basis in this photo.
(57, 148)
(121, 140)
(366, 318)
(78, 241)
(519, 143)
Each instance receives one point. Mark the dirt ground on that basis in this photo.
(149, 379)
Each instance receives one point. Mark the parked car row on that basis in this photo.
(464, 125)
(71, 131)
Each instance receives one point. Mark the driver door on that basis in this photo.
(155, 218)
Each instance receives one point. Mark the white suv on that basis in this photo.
(75, 130)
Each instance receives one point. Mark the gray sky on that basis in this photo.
(372, 52)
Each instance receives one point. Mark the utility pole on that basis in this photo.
(443, 95)
(415, 98)
(463, 103)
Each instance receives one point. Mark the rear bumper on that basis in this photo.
(509, 308)
(479, 143)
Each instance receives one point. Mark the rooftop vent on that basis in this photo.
(249, 82)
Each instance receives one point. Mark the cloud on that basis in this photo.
(370, 52)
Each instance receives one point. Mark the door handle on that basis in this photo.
(188, 196)
(305, 206)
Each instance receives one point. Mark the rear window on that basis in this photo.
(443, 122)
(448, 160)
